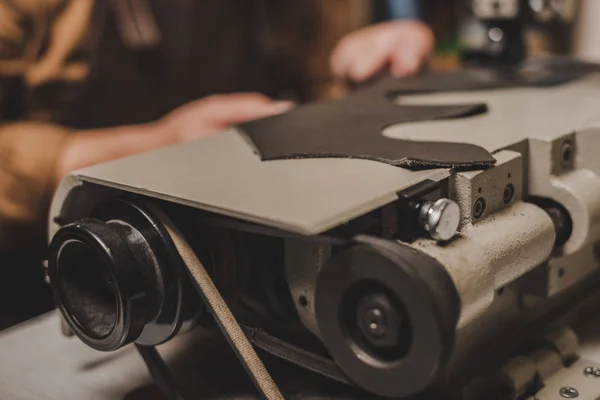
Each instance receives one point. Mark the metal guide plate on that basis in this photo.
(223, 174)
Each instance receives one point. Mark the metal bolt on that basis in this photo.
(566, 154)
(592, 372)
(440, 219)
(496, 35)
(375, 321)
(379, 321)
(568, 392)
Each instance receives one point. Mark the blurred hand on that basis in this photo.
(200, 118)
(210, 115)
(400, 46)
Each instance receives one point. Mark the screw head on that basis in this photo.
(440, 219)
(568, 392)
(479, 208)
(566, 154)
(496, 35)
(508, 194)
(374, 321)
(592, 372)
(379, 321)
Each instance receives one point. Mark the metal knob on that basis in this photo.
(440, 219)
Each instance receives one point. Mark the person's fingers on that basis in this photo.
(212, 106)
(338, 60)
(252, 112)
(359, 57)
(347, 52)
(405, 60)
(241, 109)
(236, 97)
(418, 33)
(401, 45)
(216, 113)
(373, 61)
(411, 50)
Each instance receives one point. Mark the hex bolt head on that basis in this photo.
(440, 219)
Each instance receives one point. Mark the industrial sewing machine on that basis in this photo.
(450, 259)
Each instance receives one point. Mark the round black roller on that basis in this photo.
(387, 314)
(117, 279)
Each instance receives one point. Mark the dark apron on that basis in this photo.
(206, 47)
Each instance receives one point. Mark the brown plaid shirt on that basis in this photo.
(44, 46)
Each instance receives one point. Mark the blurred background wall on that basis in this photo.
(545, 32)
(587, 34)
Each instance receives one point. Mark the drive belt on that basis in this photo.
(223, 316)
(302, 358)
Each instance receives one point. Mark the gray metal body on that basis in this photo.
(546, 142)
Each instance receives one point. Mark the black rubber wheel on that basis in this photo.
(421, 299)
(117, 278)
(97, 284)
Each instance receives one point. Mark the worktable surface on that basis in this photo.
(38, 363)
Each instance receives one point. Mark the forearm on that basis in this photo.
(100, 145)
(34, 158)
(28, 152)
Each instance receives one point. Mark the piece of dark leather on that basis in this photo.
(352, 127)
(533, 73)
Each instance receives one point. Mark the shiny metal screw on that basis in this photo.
(592, 372)
(568, 392)
(440, 219)
(496, 35)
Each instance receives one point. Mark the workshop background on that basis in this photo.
(23, 292)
